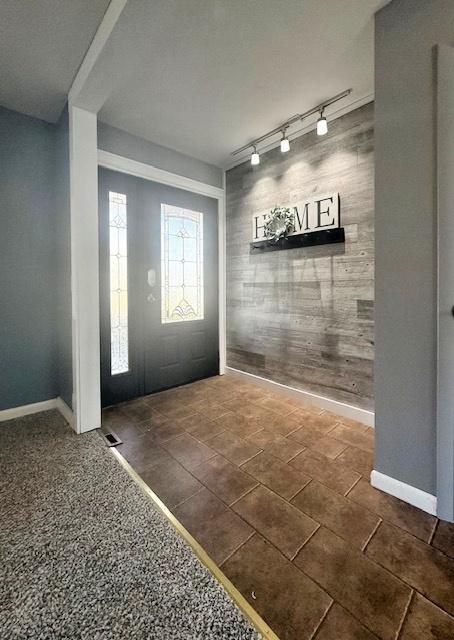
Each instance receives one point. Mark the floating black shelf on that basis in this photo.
(327, 236)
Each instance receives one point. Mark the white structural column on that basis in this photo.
(83, 154)
(445, 205)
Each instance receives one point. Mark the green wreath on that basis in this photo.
(279, 223)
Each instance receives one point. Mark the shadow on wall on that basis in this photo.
(304, 317)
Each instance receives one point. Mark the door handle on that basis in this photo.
(151, 277)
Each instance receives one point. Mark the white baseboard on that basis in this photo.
(28, 409)
(341, 408)
(37, 407)
(66, 412)
(425, 501)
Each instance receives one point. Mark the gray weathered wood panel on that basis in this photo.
(304, 317)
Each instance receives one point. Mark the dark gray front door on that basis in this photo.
(158, 286)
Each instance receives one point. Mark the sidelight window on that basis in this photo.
(119, 347)
(181, 264)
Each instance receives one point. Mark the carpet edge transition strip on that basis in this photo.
(251, 614)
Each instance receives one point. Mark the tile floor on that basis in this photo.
(278, 494)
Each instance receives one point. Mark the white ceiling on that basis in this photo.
(42, 43)
(207, 76)
(200, 76)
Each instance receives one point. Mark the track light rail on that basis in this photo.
(301, 116)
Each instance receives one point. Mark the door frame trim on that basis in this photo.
(149, 172)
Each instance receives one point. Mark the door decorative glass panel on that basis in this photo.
(118, 243)
(181, 264)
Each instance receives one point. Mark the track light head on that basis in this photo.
(322, 125)
(255, 157)
(285, 144)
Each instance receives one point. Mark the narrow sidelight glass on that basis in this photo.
(118, 240)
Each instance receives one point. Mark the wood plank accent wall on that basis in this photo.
(304, 317)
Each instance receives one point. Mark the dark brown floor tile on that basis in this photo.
(225, 382)
(354, 436)
(167, 430)
(277, 405)
(310, 433)
(323, 422)
(425, 621)
(276, 445)
(126, 430)
(286, 599)
(136, 410)
(444, 538)
(305, 408)
(330, 447)
(204, 383)
(393, 510)
(358, 460)
(277, 476)
(245, 408)
(210, 409)
(189, 423)
(155, 420)
(238, 424)
(213, 525)
(251, 394)
(171, 482)
(355, 424)
(224, 395)
(375, 597)
(417, 563)
(282, 425)
(331, 473)
(233, 447)
(177, 410)
(158, 400)
(346, 518)
(348, 422)
(143, 453)
(198, 391)
(340, 625)
(224, 479)
(113, 415)
(188, 451)
(275, 519)
(201, 427)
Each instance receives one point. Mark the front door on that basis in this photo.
(158, 286)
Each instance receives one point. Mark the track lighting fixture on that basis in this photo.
(255, 157)
(322, 124)
(321, 127)
(285, 144)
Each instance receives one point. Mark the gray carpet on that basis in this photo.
(84, 554)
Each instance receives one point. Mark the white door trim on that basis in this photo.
(84, 268)
(149, 172)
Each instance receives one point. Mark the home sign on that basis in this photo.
(306, 223)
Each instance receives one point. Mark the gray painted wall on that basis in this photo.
(27, 261)
(405, 277)
(125, 144)
(63, 240)
(304, 317)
